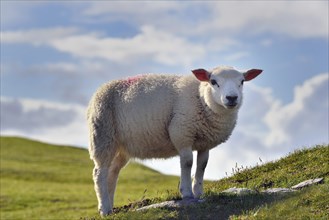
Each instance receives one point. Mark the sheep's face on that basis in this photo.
(226, 84)
(226, 88)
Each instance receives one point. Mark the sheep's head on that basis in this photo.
(226, 84)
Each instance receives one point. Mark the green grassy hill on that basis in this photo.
(43, 181)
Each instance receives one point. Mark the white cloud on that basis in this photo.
(295, 19)
(298, 19)
(305, 119)
(201, 30)
(61, 67)
(149, 44)
(82, 67)
(37, 37)
(236, 56)
(160, 14)
(43, 120)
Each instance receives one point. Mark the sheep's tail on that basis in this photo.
(102, 124)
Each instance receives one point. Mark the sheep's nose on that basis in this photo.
(232, 99)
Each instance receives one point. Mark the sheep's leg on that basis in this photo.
(202, 160)
(186, 162)
(100, 176)
(118, 162)
(102, 150)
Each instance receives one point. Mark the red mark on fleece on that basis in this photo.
(132, 80)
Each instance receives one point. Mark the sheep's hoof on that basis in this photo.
(197, 190)
(188, 198)
(104, 213)
(197, 193)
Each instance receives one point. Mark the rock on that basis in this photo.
(239, 191)
(307, 183)
(278, 190)
(173, 204)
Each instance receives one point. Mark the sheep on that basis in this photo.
(161, 116)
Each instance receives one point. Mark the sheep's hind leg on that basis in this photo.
(119, 161)
(202, 161)
(100, 176)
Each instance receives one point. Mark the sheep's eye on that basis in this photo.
(213, 82)
(242, 82)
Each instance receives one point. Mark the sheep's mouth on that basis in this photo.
(231, 105)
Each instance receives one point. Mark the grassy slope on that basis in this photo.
(42, 181)
(309, 203)
(50, 182)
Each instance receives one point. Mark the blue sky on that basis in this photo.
(55, 54)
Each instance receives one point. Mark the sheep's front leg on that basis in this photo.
(202, 161)
(186, 162)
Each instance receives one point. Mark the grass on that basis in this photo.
(43, 181)
(309, 203)
(50, 182)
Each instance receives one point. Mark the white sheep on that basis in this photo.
(161, 116)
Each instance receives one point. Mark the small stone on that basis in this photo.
(173, 204)
(239, 191)
(307, 183)
(278, 190)
(168, 204)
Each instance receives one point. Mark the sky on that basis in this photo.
(55, 54)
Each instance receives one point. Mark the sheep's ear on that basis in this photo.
(201, 74)
(250, 74)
